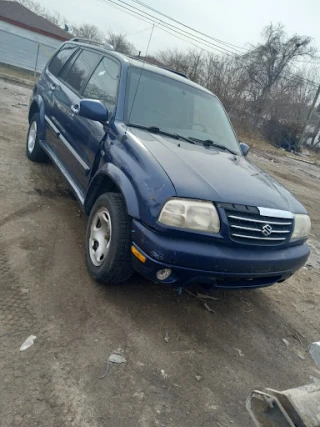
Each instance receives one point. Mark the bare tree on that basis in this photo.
(190, 63)
(120, 43)
(88, 31)
(265, 63)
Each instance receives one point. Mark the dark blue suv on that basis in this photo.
(155, 163)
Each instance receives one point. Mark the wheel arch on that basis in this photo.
(37, 106)
(112, 179)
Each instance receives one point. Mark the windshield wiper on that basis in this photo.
(155, 129)
(210, 143)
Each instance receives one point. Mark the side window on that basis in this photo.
(61, 58)
(65, 70)
(103, 84)
(81, 69)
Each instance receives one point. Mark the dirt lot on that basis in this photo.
(200, 377)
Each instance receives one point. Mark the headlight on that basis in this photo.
(190, 214)
(302, 226)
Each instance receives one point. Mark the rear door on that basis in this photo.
(50, 83)
(70, 128)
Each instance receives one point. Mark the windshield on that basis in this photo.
(176, 107)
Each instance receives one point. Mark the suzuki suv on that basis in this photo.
(154, 161)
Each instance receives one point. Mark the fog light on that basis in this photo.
(164, 274)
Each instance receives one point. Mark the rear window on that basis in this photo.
(61, 58)
(82, 69)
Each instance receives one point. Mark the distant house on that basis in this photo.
(27, 40)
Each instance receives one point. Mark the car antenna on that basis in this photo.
(141, 70)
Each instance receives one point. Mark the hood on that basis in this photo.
(209, 174)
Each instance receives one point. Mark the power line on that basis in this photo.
(186, 26)
(167, 24)
(138, 32)
(118, 7)
(172, 30)
(141, 17)
(160, 22)
(138, 16)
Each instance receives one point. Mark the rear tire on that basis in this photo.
(34, 151)
(108, 240)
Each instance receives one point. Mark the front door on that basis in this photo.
(86, 134)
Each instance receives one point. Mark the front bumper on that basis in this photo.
(220, 265)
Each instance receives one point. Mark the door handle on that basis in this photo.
(53, 87)
(75, 109)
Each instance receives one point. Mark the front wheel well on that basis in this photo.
(33, 110)
(101, 184)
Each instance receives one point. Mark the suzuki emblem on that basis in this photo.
(266, 230)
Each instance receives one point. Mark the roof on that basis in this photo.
(150, 60)
(138, 63)
(16, 14)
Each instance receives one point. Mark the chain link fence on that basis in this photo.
(25, 53)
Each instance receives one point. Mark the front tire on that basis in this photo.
(108, 240)
(34, 150)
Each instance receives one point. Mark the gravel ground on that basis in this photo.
(199, 376)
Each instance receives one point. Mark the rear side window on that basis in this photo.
(82, 69)
(103, 84)
(61, 58)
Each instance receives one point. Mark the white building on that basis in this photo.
(26, 39)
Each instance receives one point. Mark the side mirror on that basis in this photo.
(93, 110)
(244, 148)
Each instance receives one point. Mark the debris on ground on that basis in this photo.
(163, 373)
(286, 342)
(315, 352)
(116, 358)
(198, 377)
(28, 343)
(239, 351)
(206, 306)
(203, 296)
(166, 338)
(300, 355)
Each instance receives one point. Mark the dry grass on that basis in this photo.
(16, 73)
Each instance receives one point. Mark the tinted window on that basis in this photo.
(61, 58)
(104, 83)
(81, 69)
(66, 68)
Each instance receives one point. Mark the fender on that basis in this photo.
(121, 181)
(37, 100)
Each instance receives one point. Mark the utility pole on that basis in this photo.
(308, 116)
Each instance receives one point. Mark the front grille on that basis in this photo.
(255, 229)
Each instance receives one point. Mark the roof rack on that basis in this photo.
(176, 72)
(93, 42)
